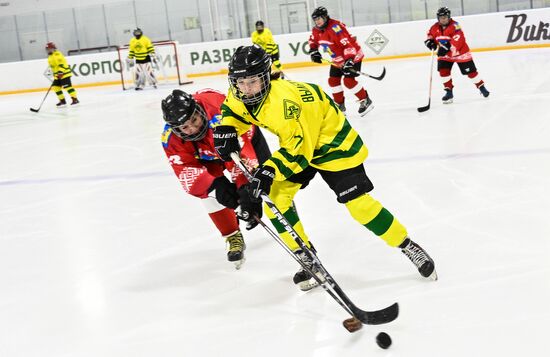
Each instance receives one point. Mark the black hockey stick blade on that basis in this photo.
(377, 317)
(34, 110)
(426, 108)
(380, 77)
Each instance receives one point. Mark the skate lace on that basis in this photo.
(415, 254)
(236, 242)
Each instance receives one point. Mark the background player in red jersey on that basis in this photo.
(188, 144)
(333, 37)
(447, 38)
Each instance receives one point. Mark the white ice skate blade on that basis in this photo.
(371, 107)
(448, 101)
(239, 263)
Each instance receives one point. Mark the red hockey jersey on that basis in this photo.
(459, 52)
(196, 163)
(337, 42)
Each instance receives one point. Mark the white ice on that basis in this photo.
(103, 254)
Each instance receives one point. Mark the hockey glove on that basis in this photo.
(226, 141)
(444, 47)
(153, 58)
(59, 75)
(262, 180)
(129, 62)
(347, 68)
(226, 192)
(430, 43)
(315, 56)
(250, 207)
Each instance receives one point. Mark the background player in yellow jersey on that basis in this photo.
(62, 75)
(264, 38)
(141, 53)
(314, 137)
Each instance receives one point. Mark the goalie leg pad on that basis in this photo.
(348, 184)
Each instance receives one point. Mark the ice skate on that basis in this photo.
(75, 101)
(235, 250)
(484, 92)
(448, 97)
(303, 278)
(365, 106)
(420, 258)
(61, 103)
(342, 107)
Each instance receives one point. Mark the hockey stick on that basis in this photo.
(378, 78)
(48, 92)
(427, 107)
(376, 317)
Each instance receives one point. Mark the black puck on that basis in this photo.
(383, 340)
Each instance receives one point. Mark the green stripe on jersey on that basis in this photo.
(340, 154)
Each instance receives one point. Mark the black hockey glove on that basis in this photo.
(226, 141)
(430, 43)
(250, 207)
(226, 192)
(315, 56)
(261, 182)
(347, 68)
(444, 47)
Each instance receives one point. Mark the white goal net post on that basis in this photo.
(168, 68)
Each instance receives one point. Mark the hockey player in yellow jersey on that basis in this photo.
(314, 137)
(264, 38)
(61, 75)
(141, 54)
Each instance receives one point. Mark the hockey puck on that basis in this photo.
(383, 340)
(352, 324)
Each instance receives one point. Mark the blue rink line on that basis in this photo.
(408, 159)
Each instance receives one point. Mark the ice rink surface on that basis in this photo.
(103, 254)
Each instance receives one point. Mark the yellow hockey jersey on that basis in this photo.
(58, 64)
(265, 40)
(311, 128)
(139, 49)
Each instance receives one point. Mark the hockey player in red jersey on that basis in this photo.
(332, 37)
(188, 144)
(447, 38)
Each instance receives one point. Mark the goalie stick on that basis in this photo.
(376, 317)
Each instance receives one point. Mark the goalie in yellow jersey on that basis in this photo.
(263, 38)
(141, 54)
(61, 72)
(314, 137)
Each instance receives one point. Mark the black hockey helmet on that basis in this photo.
(138, 33)
(178, 108)
(246, 62)
(320, 12)
(260, 26)
(444, 11)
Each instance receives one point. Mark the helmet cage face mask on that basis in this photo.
(251, 98)
(249, 63)
(200, 134)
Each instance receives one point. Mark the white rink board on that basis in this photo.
(482, 31)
